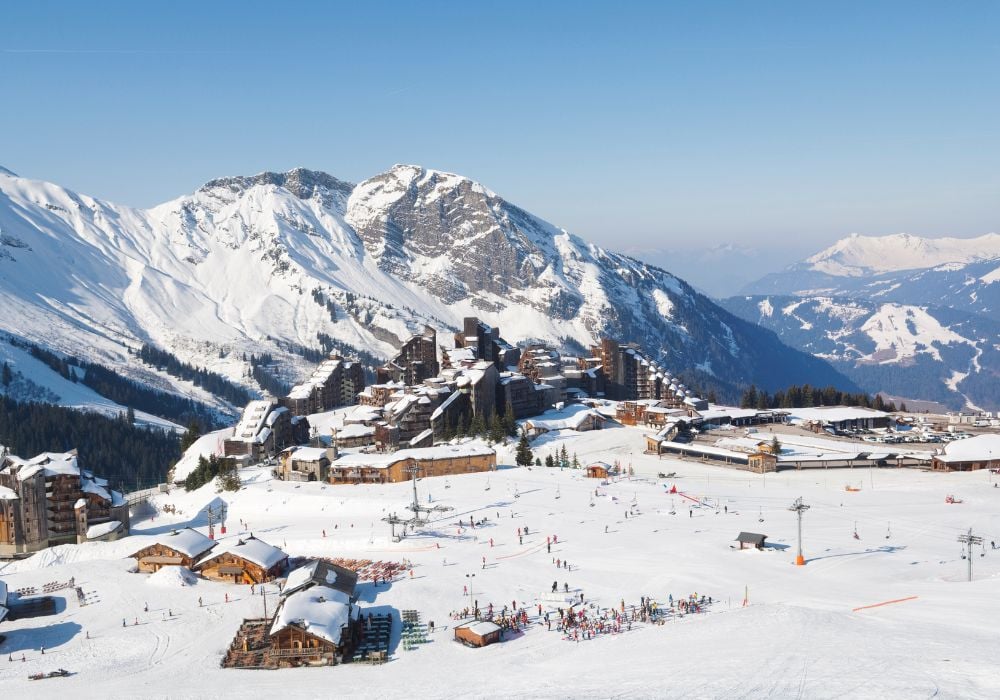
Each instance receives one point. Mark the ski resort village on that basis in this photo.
(484, 519)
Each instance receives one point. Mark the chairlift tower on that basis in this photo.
(968, 539)
(799, 507)
(421, 513)
(216, 514)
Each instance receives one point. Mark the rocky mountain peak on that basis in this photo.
(301, 182)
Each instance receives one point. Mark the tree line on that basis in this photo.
(128, 456)
(111, 385)
(807, 396)
(211, 382)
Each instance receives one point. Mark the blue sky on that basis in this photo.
(639, 126)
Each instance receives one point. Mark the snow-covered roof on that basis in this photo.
(444, 405)
(188, 542)
(307, 454)
(420, 437)
(383, 461)
(835, 414)
(568, 418)
(255, 419)
(319, 376)
(89, 486)
(981, 447)
(321, 611)
(321, 573)
(355, 430)
(7, 494)
(51, 463)
(102, 529)
(482, 627)
(3, 593)
(253, 550)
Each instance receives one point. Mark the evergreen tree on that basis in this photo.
(712, 397)
(576, 462)
(563, 458)
(192, 434)
(902, 407)
(549, 462)
(6, 376)
(524, 457)
(477, 426)
(775, 446)
(130, 416)
(538, 461)
(509, 421)
(497, 431)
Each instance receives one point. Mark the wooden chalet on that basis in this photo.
(177, 548)
(478, 634)
(317, 621)
(751, 540)
(248, 561)
(316, 626)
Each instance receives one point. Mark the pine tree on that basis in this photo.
(497, 432)
(563, 458)
(509, 421)
(775, 446)
(576, 462)
(524, 457)
(6, 376)
(549, 462)
(538, 461)
(130, 416)
(477, 426)
(192, 434)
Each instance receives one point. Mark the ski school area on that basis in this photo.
(677, 579)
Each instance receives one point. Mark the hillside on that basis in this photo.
(925, 352)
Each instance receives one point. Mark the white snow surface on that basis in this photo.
(800, 635)
(900, 331)
(857, 255)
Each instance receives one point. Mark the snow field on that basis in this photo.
(798, 637)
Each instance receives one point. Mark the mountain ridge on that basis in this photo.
(268, 263)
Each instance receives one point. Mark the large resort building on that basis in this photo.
(265, 429)
(49, 500)
(335, 382)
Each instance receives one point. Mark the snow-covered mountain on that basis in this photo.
(961, 273)
(278, 262)
(924, 352)
(911, 316)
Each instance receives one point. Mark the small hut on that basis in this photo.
(763, 461)
(751, 540)
(599, 470)
(477, 634)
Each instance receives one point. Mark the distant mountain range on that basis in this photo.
(286, 265)
(907, 315)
